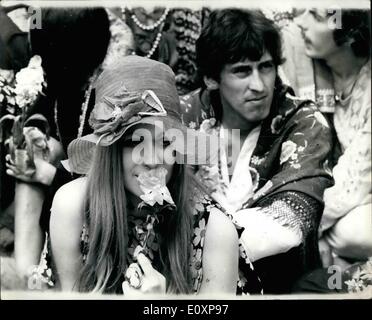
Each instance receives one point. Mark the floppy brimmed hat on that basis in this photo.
(132, 91)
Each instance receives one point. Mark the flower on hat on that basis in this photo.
(111, 116)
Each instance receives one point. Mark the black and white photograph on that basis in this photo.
(185, 150)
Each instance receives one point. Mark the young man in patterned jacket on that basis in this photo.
(272, 171)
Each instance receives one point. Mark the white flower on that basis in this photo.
(153, 185)
(29, 82)
(288, 149)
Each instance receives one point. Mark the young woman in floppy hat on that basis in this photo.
(138, 223)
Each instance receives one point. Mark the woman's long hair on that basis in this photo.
(107, 221)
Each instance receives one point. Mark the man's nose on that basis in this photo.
(256, 83)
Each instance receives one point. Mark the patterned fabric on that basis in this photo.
(294, 136)
(293, 210)
(290, 158)
(187, 26)
(182, 28)
(120, 41)
(42, 276)
(352, 121)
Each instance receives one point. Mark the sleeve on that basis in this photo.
(303, 151)
(352, 176)
(294, 210)
(295, 199)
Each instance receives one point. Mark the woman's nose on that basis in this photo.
(152, 157)
(301, 20)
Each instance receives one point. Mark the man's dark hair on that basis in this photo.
(233, 35)
(355, 25)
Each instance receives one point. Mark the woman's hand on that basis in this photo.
(44, 172)
(153, 282)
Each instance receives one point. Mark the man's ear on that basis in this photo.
(210, 83)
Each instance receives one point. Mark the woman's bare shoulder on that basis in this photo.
(70, 198)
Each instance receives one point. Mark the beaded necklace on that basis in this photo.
(158, 24)
(149, 27)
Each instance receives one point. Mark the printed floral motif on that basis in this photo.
(195, 267)
(290, 153)
(41, 275)
(199, 233)
(255, 160)
(211, 178)
(199, 199)
(361, 280)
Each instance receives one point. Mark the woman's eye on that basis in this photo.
(131, 142)
(165, 142)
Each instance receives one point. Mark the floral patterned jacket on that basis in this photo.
(291, 165)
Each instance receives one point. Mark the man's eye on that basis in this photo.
(242, 71)
(267, 66)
